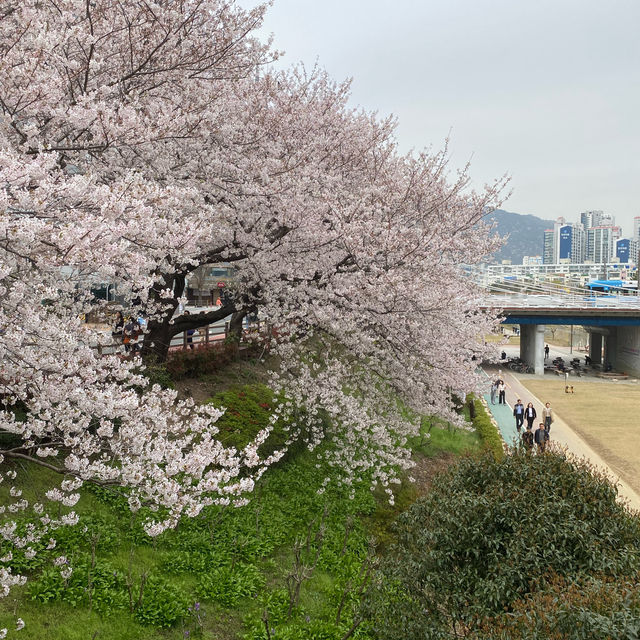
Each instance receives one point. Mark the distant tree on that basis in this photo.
(198, 280)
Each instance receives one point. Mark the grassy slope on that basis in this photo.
(286, 506)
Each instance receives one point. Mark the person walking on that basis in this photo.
(189, 332)
(494, 390)
(546, 351)
(530, 414)
(541, 437)
(518, 412)
(501, 392)
(547, 415)
(131, 333)
(119, 324)
(527, 439)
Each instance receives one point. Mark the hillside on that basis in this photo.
(526, 235)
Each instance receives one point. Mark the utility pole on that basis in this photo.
(571, 340)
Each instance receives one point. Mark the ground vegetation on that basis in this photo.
(488, 551)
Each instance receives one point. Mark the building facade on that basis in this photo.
(600, 243)
(623, 249)
(570, 241)
(547, 249)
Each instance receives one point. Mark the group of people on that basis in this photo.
(129, 331)
(539, 437)
(498, 388)
(529, 437)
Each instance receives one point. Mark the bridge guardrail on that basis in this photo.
(563, 302)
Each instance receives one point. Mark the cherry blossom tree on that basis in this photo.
(141, 140)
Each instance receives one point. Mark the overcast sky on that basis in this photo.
(545, 90)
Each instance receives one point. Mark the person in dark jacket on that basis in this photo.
(541, 437)
(518, 412)
(527, 439)
(530, 414)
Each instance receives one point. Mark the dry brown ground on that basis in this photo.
(235, 373)
(426, 468)
(605, 414)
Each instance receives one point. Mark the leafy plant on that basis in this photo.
(227, 584)
(487, 431)
(163, 605)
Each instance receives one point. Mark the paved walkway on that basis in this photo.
(560, 432)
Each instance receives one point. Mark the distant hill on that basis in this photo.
(526, 235)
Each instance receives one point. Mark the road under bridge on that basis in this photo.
(611, 322)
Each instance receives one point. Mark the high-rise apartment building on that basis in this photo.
(547, 249)
(557, 225)
(593, 239)
(623, 249)
(569, 243)
(634, 248)
(591, 219)
(636, 227)
(600, 243)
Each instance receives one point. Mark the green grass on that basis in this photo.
(448, 439)
(285, 507)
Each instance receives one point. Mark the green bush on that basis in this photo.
(227, 584)
(597, 608)
(162, 604)
(158, 374)
(491, 532)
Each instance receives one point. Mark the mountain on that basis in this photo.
(526, 235)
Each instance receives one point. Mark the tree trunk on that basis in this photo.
(155, 347)
(235, 327)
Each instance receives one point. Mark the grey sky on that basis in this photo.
(545, 90)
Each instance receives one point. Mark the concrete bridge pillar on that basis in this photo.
(611, 347)
(532, 346)
(595, 347)
(628, 356)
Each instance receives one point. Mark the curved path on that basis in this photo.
(560, 431)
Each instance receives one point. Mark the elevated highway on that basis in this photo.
(613, 321)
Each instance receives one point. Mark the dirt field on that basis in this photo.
(605, 414)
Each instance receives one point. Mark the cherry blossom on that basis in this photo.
(139, 141)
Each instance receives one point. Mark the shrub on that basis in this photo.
(489, 435)
(227, 584)
(162, 604)
(598, 609)
(158, 374)
(491, 532)
(193, 363)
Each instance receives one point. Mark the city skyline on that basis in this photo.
(545, 92)
(594, 238)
